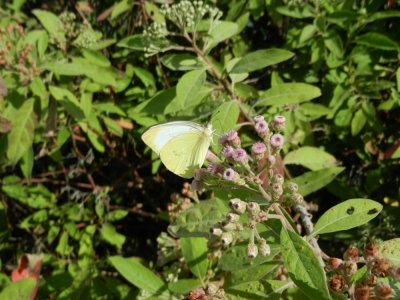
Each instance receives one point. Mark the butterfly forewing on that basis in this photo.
(156, 137)
(185, 153)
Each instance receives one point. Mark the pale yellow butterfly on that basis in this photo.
(181, 145)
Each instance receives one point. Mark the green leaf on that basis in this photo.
(221, 30)
(112, 237)
(95, 57)
(184, 286)
(334, 43)
(190, 90)
(137, 274)
(145, 76)
(254, 290)
(312, 111)
(391, 250)
(120, 8)
(181, 62)
(303, 266)
(307, 33)
(194, 250)
(26, 164)
(347, 215)
(20, 138)
(236, 258)
(378, 41)
(260, 59)
(197, 220)
(288, 93)
(358, 122)
(383, 15)
(298, 12)
(311, 181)
(20, 289)
(311, 158)
(223, 119)
(251, 273)
(116, 215)
(141, 43)
(113, 126)
(51, 23)
(68, 100)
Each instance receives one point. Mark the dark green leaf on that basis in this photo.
(378, 41)
(312, 181)
(303, 266)
(194, 250)
(288, 93)
(20, 138)
(136, 273)
(260, 59)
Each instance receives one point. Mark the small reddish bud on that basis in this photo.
(335, 263)
(371, 280)
(383, 291)
(350, 268)
(361, 293)
(380, 267)
(395, 273)
(370, 251)
(351, 254)
(337, 283)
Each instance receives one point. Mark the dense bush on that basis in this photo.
(88, 212)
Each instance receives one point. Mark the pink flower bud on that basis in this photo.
(279, 123)
(277, 141)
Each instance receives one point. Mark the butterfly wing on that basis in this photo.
(156, 137)
(185, 153)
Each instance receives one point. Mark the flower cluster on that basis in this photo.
(17, 57)
(377, 267)
(255, 169)
(187, 14)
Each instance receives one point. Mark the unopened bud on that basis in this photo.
(350, 268)
(253, 208)
(252, 251)
(292, 187)
(335, 263)
(216, 231)
(370, 251)
(212, 289)
(265, 249)
(337, 283)
(226, 238)
(394, 272)
(371, 280)
(383, 291)
(231, 217)
(351, 254)
(278, 178)
(297, 198)
(279, 123)
(228, 226)
(381, 267)
(361, 293)
(237, 205)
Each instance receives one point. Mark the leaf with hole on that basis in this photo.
(346, 215)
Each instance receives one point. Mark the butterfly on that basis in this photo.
(181, 145)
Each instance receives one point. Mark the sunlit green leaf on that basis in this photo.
(348, 214)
